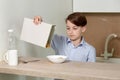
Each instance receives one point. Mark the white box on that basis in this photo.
(37, 34)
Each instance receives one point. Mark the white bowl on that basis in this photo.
(57, 58)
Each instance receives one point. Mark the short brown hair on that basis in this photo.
(77, 18)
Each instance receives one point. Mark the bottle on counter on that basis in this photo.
(11, 40)
(11, 56)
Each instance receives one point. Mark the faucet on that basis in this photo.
(106, 54)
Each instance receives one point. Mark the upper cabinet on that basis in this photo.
(104, 6)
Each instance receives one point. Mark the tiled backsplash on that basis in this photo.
(99, 26)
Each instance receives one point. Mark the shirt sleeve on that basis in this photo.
(56, 42)
(92, 55)
(53, 41)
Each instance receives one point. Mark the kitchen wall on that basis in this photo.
(12, 13)
(100, 25)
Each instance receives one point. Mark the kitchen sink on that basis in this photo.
(109, 60)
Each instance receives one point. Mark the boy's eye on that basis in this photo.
(75, 28)
(68, 28)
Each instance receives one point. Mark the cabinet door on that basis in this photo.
(112, 6)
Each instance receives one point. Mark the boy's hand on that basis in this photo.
(37, 20)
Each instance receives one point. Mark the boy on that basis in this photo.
(74, 46)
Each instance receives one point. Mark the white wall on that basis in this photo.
(12, 12)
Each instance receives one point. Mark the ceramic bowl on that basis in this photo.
(57, 58)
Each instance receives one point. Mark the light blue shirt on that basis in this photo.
(63, 46)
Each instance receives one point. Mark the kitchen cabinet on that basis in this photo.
(95, 6)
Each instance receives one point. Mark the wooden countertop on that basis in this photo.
(69, 70)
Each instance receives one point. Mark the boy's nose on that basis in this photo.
(71, 31)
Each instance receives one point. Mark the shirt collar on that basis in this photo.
(81, 43)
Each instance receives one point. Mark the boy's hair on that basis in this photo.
(77, 18)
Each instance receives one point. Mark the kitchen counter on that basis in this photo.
(68, 70)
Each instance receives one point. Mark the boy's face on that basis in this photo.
(74, 32)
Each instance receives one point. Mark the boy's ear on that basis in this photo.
(84, 29)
